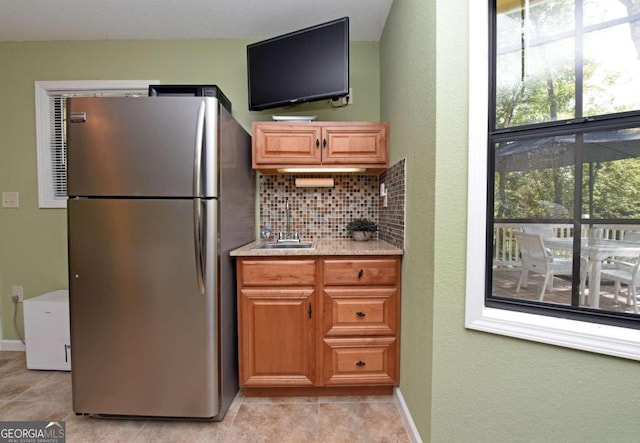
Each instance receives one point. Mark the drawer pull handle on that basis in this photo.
(361, 314)
(360, 273)
(360, 363)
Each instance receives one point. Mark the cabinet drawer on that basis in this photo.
(277, 272)
(360, 361)
(361, 272)
(370, 311)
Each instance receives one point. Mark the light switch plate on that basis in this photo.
(10, 200)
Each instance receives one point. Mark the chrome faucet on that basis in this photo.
(288, 211)
(291, 237)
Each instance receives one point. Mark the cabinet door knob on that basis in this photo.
(317, 143)
(361, 314)
(360, 363)
(360, 273)
(324, 142)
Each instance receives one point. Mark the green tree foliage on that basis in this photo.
(610, 189)
(616, 190)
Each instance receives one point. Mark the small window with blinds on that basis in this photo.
(51, 129)
(58, 147)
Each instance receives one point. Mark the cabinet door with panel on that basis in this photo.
(285, 144)
(275, 315)
(355, 143)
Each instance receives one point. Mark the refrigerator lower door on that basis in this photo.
(142, 332)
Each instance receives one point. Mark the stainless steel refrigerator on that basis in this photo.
(160, 190)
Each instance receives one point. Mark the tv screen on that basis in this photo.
(302, 66)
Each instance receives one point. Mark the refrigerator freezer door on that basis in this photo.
(142, 333)
(142, 147)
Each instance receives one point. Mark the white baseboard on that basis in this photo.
(409, 424)
(12, 345)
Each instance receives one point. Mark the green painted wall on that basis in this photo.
(462, 385)
(408, 99)
(32, 240)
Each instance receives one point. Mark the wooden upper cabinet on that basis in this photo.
(278, 145)
(355, 143)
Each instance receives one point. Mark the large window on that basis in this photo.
(560, 210)
(564, 143)
(51, 129)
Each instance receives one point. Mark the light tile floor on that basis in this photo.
(46, 395)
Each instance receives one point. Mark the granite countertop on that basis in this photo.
(322, 247)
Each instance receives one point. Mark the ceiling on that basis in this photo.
(33, 20)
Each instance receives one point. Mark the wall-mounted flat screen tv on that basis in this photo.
(302, 66)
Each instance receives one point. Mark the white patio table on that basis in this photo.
(599, 250)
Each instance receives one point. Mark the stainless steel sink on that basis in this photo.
(301, 245)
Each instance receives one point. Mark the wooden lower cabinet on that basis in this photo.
(318, 324)
(276, 299)
(277, 337)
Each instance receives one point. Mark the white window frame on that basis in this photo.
(593, 337)
(43, 91)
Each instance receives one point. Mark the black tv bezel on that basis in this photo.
(304, 99)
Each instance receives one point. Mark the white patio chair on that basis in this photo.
(624, 272)
(536, 258)
(545, 230)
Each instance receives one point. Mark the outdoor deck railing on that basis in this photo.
(505, 245)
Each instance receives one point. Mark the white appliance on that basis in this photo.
(46, 331)
(160, 191)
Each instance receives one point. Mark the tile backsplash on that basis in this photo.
(391, 218)
(324, 212)
(317, 212)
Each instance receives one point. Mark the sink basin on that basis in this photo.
(301, 245)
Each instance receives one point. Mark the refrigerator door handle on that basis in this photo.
(197, 157)
(197, 203)
(197, 237)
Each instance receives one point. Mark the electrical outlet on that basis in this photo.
(16, 294)
(348, 100)
(10, 200)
